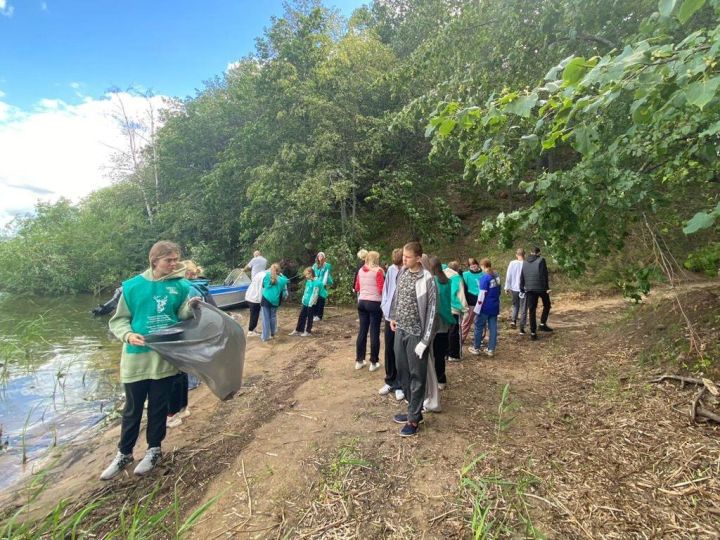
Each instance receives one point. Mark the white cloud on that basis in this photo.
(6, 9)
(59, 149)
(230, 66)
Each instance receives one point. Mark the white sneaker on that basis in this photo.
(184, 413)
(147, 464)
(399, 395)
(474, 351)
(360, 365)
(294, 333)
(173, 421)
(252, 333)
(385, 390)
(441, 385)
(117, 466)
(306, 334)
(316, 318)
(453, 359)
(374, 366)
(490, 353)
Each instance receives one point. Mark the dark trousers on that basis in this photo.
(305, 320)
(455, 339)
(254, 315)
(391, 375)
(370, 316)
(531, 297)
(440, 350)
(178, 398)
(157, 393)
(412, 371)
(319, 308)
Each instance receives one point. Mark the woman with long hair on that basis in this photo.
(369, 283)
(274, 290)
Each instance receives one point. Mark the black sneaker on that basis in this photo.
(533, 336)
(545, 328)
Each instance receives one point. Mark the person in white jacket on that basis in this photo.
(253, 297)
(512, 286)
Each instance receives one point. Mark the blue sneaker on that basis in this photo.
(409, 430)
(403, 419)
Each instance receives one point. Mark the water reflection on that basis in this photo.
(59, 376)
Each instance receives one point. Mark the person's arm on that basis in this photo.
(380, 280)
(482, 292)
(357, 282)
(507, 278)
(430, 311)
(522, 279)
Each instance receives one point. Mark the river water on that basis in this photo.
(59, 377)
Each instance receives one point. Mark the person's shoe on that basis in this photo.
(533, 336)
(399, 395)
(442, 385)
(306, 334)
(117, 466)
(147, 464)
(252, 333)
(490, 353)
(522, 331)
(453, 359)
(374, 366)
(360, 365)
(385, 390)
(184, 413)
(316, 318)
(474, 351)
(173, 421)
(545, 328)
(402, 418)
(409, 430)
(512, 324)
(294, 333)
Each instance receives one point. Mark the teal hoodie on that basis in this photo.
(273, 293)
(324, 276)
(312, 291)
(148, 304)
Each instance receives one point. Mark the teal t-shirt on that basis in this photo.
(444, 301)
(153, 304)
(472, 280)
(273, 293)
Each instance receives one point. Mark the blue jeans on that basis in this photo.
(269, 320)
(491, 321)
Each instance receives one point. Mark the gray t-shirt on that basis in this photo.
(407, 315)
(257, 264)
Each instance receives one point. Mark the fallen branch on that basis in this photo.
(684, 380)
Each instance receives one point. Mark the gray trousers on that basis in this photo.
(518, 308)
(412, 372)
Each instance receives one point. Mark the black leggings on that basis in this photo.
(156, 392)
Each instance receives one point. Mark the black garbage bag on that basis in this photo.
(210, 346)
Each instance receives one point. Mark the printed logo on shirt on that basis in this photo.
(160, 303)
(172, 290)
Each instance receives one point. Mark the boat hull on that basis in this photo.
(228, 296)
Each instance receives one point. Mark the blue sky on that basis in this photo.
(60, 57)
(58, 49)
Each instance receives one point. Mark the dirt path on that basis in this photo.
(580, 446)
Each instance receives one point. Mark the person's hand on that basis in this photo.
(136, 339)
(420, 349)
(393, 326)
(194, 301)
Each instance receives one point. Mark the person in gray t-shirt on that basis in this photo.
(257, 264)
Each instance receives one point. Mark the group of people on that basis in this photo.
(268, 288)
(429, 309)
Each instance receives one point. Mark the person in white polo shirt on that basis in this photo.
(512, 286)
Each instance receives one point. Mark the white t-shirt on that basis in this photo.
(512, 278)
(257, 264)
(254, 292)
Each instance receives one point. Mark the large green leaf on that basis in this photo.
(700, 93)
(523, 105)
(574, 71)
(665, 7)
(688, 9)
(701, 220)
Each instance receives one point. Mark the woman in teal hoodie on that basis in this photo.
(309, 299)
(156, 299)
(274, 290)
(322, 270)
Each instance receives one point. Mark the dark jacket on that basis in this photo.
(534, 276)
